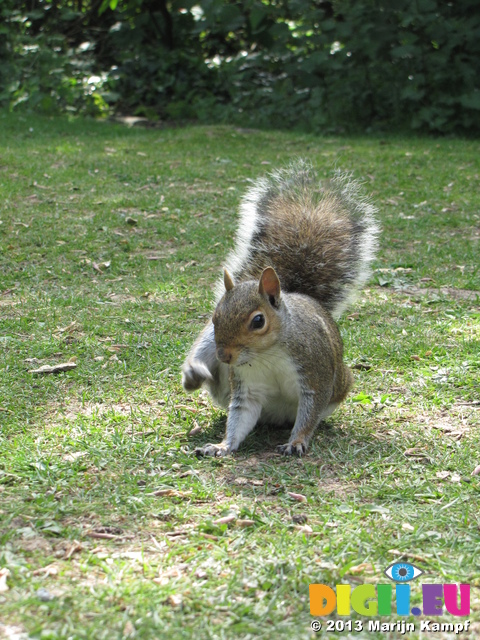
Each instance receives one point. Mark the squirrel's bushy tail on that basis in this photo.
(319, 238)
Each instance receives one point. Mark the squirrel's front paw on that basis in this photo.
(194, 375)
(292, 448)
(216, 450)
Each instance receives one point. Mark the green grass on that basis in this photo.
(83, 453)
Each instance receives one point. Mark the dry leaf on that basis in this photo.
(177, 533)
(208, 536)
(364, 567)
(184, 406)
(200, 574)
(68, 329)
(170, 492)
(55, 368)
(128, 630)
(476, 471)
(225, 520)
(415, 452)
(297, 496)
(165, 576)
(4, 573)
(443, 427)
(407, 527)
(49, 570)
(195, 429)
(74, 548)
(96, 267)
(101, 536)
(304, 528)
(241, 480)
(245, 523)
(175, 600)
(71, 457)
(441, 475)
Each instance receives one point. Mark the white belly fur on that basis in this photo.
(272, 379)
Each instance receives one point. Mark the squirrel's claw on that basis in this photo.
(215, 450)
(292, 448)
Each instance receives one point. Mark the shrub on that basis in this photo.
(315, 65)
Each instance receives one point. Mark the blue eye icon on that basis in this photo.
(402, 572)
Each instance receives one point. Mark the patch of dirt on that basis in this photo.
(96, 409)
(248, 475)
(339, 489)
(35, 543)
(10, 632)
(116, 299)
(455, 423)
(12, 302)
(457, 294)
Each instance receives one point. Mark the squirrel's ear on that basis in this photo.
(227, 280)
(270, 286)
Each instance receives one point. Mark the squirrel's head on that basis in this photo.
(246, 320)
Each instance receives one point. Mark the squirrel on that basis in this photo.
(272, 352)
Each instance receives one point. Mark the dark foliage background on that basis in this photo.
(346, 64)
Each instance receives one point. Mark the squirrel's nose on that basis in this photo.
(224, 355)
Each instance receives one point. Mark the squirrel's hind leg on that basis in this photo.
(312, 409)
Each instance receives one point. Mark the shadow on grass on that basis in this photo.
(332, 445)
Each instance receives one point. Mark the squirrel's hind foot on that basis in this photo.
(292, 449)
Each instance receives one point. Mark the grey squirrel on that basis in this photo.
(272, 351)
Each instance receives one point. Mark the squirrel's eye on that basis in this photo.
(258, 321)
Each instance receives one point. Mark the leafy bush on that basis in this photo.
(314, 65)
(43, 67)
(371, 64)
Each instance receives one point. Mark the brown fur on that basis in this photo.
(273, 348)
(319, 238)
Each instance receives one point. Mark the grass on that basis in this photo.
(110, 241)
